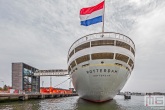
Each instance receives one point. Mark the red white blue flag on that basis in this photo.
(92, 15)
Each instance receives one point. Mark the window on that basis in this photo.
(102, 56)
(102, 42)
(122, 44)
(73, 64)
(132, 50)
(121, 57)
(83, 46)
(82, 59)
(130, 63)
(71, 53)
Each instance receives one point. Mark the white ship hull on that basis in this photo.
(100, 82)
(100, 64)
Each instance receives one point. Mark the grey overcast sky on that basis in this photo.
(40, 32)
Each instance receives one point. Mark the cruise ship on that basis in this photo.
(100, 65)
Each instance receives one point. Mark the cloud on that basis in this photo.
(40, 33)
(148, 36)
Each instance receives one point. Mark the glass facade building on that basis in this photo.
(23, 78)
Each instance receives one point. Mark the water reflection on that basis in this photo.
(87, 105)
(20, 105)
(76, 103)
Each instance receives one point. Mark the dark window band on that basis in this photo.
(121, 57)
(123, 44)
(73, 64)
(82, 46)
(102, 56)
(102, 42)
(130, 63)
(82, 59)
(96, 56)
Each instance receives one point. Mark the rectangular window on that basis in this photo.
(102, 56)
(132, 50)
(121, 57)
(73, 64)
(102, 42)
(130, 63)
(71, 53)
(122, 44)
(82, 59)
(83, 46)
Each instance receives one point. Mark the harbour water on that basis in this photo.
(75, 103)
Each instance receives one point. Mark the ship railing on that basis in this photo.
(102, 35)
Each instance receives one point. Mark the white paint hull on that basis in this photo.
(99, 82)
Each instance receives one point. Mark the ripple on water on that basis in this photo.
(75, 103)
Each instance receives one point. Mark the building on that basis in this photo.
(23, 78)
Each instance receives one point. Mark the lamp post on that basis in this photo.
(42, 83)
(50, 81)
(3, 85)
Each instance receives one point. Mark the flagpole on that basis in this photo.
(103, 18)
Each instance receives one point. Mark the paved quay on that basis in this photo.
(23, 97)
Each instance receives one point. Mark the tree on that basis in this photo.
(5, 88)
(1, 89)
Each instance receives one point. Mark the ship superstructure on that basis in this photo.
(100, 64)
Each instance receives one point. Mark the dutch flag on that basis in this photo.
(92, 15)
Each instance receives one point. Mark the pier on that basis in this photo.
(23, 97)
(26, 84)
